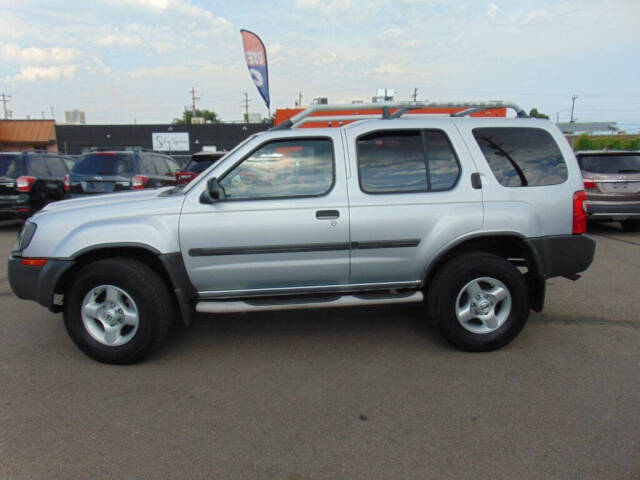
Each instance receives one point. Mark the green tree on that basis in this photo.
(208, 115)
(534, 113)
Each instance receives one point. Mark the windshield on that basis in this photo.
(610, 163)
(104, 164)
(10, 165)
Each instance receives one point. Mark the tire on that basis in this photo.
(631, 225)
(142, 323)
(484, 327)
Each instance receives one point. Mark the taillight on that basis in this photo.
(67, 183)
(579, 212)
(590, 184)
(138, 182)
(24, 183)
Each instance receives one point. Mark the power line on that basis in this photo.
(573, 104)
(193, 99)
(5, 100)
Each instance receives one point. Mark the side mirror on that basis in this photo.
(212, 193)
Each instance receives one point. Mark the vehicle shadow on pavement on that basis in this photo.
(403, 325)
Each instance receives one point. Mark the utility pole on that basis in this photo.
(299, 98)
(53, 116)
(246, 107)
(5, 100)
(573, 104)
(415, 94)
(193, 99)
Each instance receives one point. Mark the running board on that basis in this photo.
(293, 304)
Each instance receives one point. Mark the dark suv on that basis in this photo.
(30, 180)
(106, 172)
(612, 183)
(199, 162)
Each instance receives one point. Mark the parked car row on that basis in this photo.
(31, 180)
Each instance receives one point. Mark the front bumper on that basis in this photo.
(613, 210)
(563, 255)
(36, 283)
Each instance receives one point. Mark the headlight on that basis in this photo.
(25, 235)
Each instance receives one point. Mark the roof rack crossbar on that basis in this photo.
(402, 108)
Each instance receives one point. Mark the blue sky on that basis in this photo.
(121, 60)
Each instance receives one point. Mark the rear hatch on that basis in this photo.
(102, 172)
(611, 176)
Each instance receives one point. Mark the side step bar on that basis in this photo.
(293, 304)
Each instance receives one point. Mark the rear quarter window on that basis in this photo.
(522, 157)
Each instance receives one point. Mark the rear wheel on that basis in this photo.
(479, 301)
(117, 310)
(631, 225)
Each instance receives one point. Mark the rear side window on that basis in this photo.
(56, 167)
(10, 165)
(148, 164)
(104, 164)
(37, 166)
(173, 166)
(522, 157)
(400, 161)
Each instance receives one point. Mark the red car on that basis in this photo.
(200, 161)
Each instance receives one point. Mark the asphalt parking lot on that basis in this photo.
(363, 393)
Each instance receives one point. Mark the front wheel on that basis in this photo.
(117, 310)
(480, 301)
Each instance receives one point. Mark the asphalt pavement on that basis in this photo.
(361, 393)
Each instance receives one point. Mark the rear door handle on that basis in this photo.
(327, 214)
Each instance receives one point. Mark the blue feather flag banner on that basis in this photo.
(256, 56)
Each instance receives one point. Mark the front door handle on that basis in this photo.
(327, 214)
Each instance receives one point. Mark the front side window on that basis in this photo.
(404, 161)
(521, 157)
(289, 168)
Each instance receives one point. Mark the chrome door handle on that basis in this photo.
(327, 214)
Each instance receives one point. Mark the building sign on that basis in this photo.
(170, 141)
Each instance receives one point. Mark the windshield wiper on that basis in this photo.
(631, 170)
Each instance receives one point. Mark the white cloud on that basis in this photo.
(323, 7)
(53, 72)
(179, 7)
(492, 11)
(37, 56)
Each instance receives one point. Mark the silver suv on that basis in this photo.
(468, 215)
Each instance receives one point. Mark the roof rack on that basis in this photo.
(400, 108)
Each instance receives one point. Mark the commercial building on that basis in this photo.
(173, 139)
(19, 135)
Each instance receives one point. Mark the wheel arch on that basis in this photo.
(170, 267)
(511, 246)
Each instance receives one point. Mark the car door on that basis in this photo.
(283, 225)
(410, 195)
